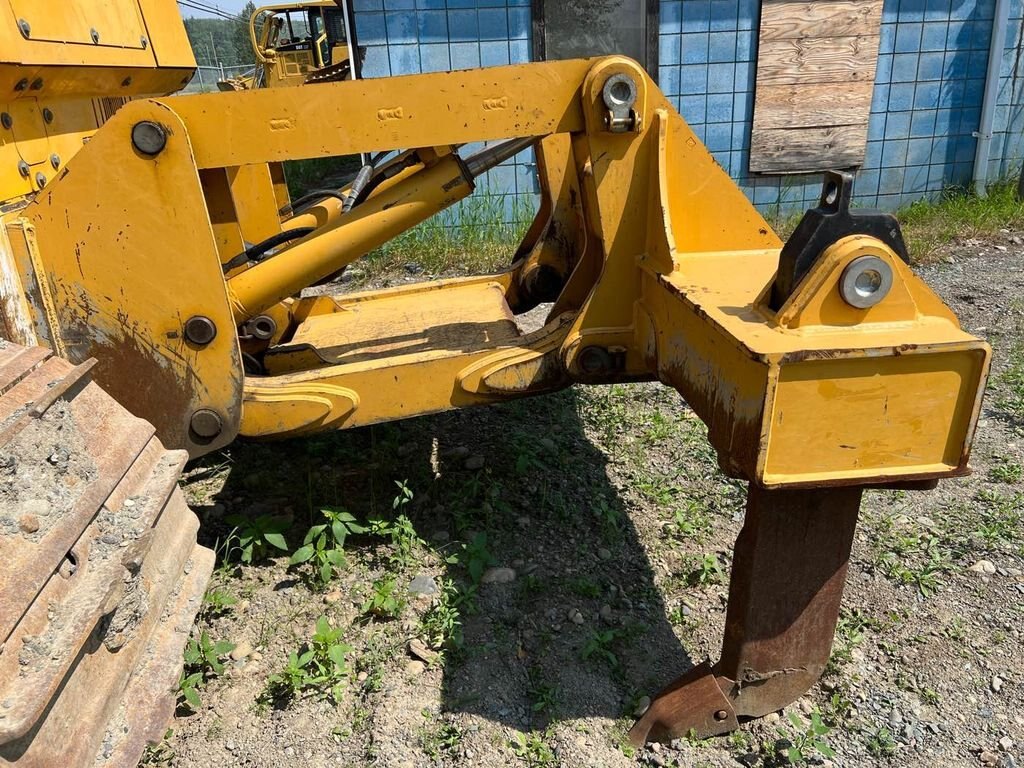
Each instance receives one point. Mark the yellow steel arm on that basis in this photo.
(816, 363)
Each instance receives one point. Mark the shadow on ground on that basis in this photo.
(580, 632)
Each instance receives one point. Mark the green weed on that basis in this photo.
(203, 662)
(532, 749)
(319, 665)
(251, 540)
(441, 625)
(599, 646)
(928, 225)
(383, 603)
(805, 742)
(323, 545)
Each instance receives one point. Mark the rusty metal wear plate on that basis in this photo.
(102, 575)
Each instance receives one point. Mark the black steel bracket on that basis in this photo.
(832, 220)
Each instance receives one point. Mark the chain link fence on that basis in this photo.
(205, 78)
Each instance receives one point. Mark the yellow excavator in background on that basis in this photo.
(153, 308)
(298, 43)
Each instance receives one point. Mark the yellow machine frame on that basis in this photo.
(669, 281)
(164, 245)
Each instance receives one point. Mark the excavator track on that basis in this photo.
(101, 577)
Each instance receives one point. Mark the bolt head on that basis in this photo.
(6, 120)
(149, 138)
(94, 35)
(47, 114)
(721, 715)
(206, 424)
(55, 161)
(25, 28)
(200, 330)
(23, 169)
(40, 180)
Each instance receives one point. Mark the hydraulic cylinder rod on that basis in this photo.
(369, 225)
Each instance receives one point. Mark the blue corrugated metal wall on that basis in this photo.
(926, 105)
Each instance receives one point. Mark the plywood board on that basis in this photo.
(815, 76)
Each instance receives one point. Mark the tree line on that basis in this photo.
(221, 41)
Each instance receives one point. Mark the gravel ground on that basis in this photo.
(585, 537)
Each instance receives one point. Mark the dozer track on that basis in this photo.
(101, 575)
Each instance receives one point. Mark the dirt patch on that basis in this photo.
(613, 528)
(43, 471)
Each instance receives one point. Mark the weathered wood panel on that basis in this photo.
(816, 104)
(809, 18)
(804, 148)
(815, 75)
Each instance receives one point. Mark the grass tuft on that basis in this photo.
(929, 225)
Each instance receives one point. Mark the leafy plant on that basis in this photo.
(383, 603)
(252, 539)
(474, 557)
(442, 740)
(708, 571)
(218, 601)
(441, 625)
(807, 742)
(320, 665)
(881, 743)
(323, 545)
(532, 750)
(599, 646)
(202, 663)
(543, 695)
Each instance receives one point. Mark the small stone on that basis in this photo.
(28, 523)
(606, 612)
(548, 443)
(604, 553)
(458, 453)
(997, 684)
(420, 650)
(474, 462)
(498, 575)
(642, 706)
(423, 586)
(412, 268)
(984, 566)
(241, 650)
(361, 677)
(255, 656)
(575, 616)
(1006, 743)
(772, 717)
(229, 745)
(988, 758)
(289, 751)
(415, 668)
(332, 597)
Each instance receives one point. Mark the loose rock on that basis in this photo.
(498, 576)
(642, 706)
(241, 650)
(984, 566)
(474, 462)
(423, 586)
